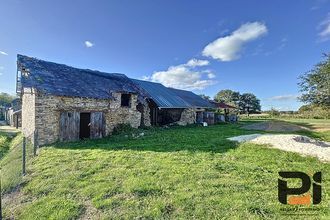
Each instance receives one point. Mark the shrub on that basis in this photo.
(273, 112)
(123, 129)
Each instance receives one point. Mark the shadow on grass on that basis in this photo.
(191, 138)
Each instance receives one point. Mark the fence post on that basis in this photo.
(16, 121)
(24, 156)
(35, 143)
(0, 194)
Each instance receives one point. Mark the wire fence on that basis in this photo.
(15, 163)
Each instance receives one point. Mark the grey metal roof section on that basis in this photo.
(193, 99)
(58, 79)
(162, 95)
(166, 97)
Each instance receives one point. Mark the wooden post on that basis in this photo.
(24, 156)
(35, 143)
(0, 194)
(16, 121)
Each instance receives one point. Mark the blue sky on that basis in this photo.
(204, 46)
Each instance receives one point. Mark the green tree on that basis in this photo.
(274, 112)
(228, 96)
(315, 84)
(205, 96)
(6, 99)
(249, 103)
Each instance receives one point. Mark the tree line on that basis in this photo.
(315, 88)
(246, 102)
(315, 84)
(5, 100)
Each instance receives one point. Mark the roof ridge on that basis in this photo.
(61, 79)
(89, 71)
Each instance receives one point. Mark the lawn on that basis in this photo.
(180, 173)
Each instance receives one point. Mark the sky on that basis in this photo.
(205, 46)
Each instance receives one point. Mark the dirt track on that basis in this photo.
(274, 126)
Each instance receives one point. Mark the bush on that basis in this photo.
(314, 111)
(123, 129)
(273, 112)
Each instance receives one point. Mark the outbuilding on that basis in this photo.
(63, 103)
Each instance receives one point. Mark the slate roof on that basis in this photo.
(16, 104)
(166, 97)
(62, 80)
(59, 79)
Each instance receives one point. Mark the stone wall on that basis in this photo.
(188, 116)
(46, 109)
(10, 117)
(17, 117)
(42, 112)
(122, 115)
(146, 116)
(28, 111)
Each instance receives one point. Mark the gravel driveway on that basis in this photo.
(289, 142)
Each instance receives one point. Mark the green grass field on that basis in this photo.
(176, 173)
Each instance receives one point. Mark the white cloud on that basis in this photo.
(194, 62)
(1, 74)
(228, 48)
(283, 43)
(3, 53)
(211, 75)
(145, 77)
(313, 8)
(185, 76)
(324, 28)
(326, 32)
(89, 44)
(284, 98)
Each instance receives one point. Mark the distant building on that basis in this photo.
(13, 114)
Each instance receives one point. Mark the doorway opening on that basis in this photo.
(85, 121)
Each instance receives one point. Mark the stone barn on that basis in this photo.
(63, 103)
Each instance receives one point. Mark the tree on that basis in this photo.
(228, 96)
(315, 84)
(6, 99)
(205, 96)
(274, 112)
(248, 102)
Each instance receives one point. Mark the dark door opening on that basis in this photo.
(153, 113)
(85, 120)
